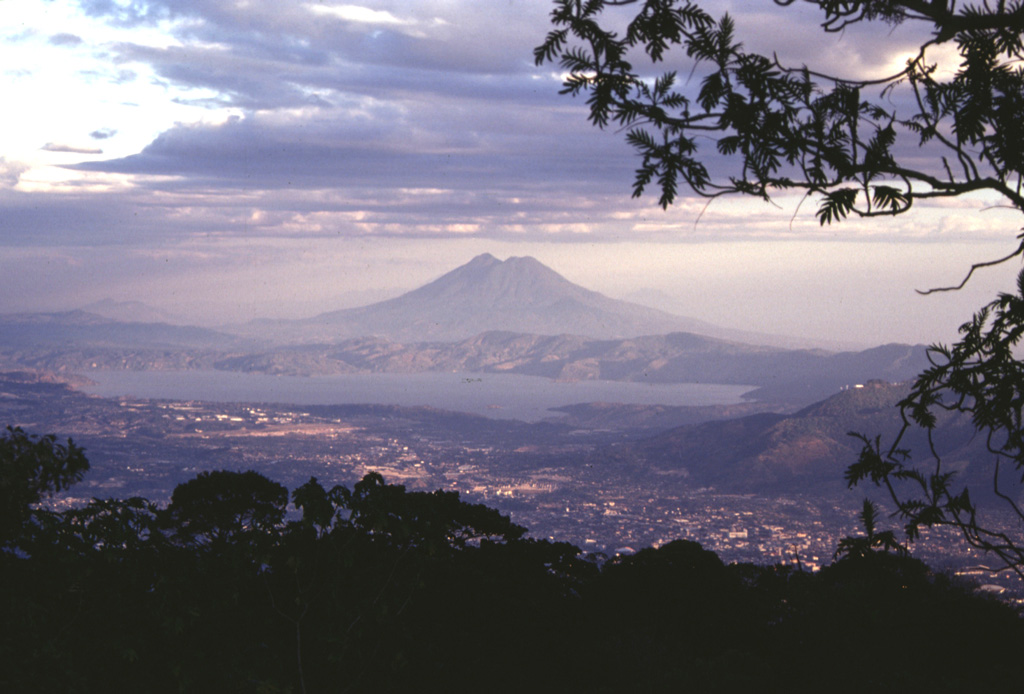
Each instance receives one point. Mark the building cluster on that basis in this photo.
(558, 491)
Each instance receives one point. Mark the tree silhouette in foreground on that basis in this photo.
(982, 377)
(744, 123)
(375, 588)
(31, 468)
(223, 506)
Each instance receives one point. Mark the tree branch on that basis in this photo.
(976, 266)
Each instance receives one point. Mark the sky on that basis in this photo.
(232, 160)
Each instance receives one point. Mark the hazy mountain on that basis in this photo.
(805, 451)
(517, 295)
(793, 377)
(81, 340)
(787, 376)
(81, 328)
(133, 312)
(550, 327)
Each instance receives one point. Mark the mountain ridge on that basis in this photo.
(79, 327)
(808, 449)
(133, 312)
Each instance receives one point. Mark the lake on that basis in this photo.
(499, 396)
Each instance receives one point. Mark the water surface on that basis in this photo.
(502, 396)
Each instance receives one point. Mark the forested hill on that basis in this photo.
(810, 449)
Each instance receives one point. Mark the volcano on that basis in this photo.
(519, 294)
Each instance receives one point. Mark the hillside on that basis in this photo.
(805, 451)
(133, 312)
(786, 376)
(790, 377)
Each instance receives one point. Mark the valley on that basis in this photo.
(576, 479)
(656, 433)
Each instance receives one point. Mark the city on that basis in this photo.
(561, 483)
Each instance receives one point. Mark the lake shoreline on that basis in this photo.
(496, 396)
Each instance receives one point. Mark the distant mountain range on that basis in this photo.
(132, 312)
(80, 328)
(790, 376)
(787, 377)
(519, 317)
(514, 316)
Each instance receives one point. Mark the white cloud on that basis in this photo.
(60, 147)
(356, 13)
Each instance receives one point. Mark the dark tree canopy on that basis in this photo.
(222, 505)
(430, 519)
(32, 468)
(376, 589)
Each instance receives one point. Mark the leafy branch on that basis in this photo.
(982, 378)
(787, 127)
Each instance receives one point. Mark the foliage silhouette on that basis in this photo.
(221, 506)
(872, 541)
(982, 377)
(31, 468)
(379, 589)
(435, 520)
(776, 127)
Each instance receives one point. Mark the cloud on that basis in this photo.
(59, 147)
(475, 132)
(355, 13)
(65, 40)
(127, 14)
(424, 59)
(390, 118)
(272, 55)
(10, 172)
